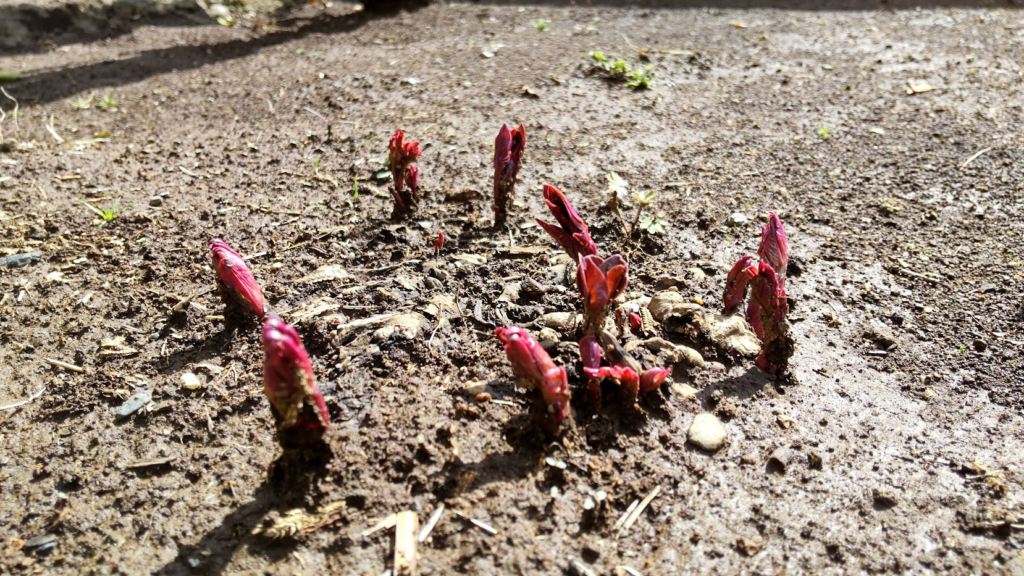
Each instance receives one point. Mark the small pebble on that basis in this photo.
(737, 219)
(980, 345)
(190, 381)
(706, 432)
(134, 403)
(156, 201)
(20, 260)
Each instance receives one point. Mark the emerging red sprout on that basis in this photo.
(572, 232)
(535, 369)
(774, 249)
(769, 305)
(590, 355)
(508, 158)
(625, 376)
(736, 283)
(401, 155)
(288, 382)
(412, 178)
(652, 378)
(624, 370)
(439, 243)
(599, 281)
(236, 277)
(635, 323)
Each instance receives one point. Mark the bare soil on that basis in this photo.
(898, 450)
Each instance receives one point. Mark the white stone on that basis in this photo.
(706, 432)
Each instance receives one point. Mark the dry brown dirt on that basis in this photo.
(899, 449)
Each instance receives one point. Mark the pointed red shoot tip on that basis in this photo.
(652, 378)
(288, 380)
(236, 277)
(774, 248)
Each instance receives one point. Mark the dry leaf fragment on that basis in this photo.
(919, 87)
(324, 273)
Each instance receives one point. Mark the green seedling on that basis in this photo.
(108, 102)
(82, 103)
(643, 200)
(10, 76)
(653, 224)
(107, 214)
(355, 189)
(641, 76)
(541, 24)
(824, 132)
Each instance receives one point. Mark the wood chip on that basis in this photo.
(150, 462)
(523, 250)
(64, 365)
(429, 526)
(639, 510)
(487, 528)
(622, 519)
(323, 274)
(919, 87)
(406, 525)
(25, 401)
(974, 157)
(384, 524)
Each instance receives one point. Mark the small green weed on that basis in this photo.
(107, 214)
(641, 76)
(108, 102)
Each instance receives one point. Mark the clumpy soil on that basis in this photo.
(888, 140)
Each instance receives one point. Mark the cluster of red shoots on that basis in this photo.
(295, 401)
(767, 308)
(508, 159)
(402, 156)
(599, 282)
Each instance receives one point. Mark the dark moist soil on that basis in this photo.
(899, 449)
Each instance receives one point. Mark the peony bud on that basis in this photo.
(535, 369)
(288, 381)
(599, 282)
(508, 158)
(652, 378)
(236, 277)
(774, 249)
(572, 232)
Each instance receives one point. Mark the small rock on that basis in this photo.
(706, 432)
(548, 335)
(190, 381)
(814, 461)
(737, 219)
(883, 499)
(564, 322)
(980, 345)
(880, 334)
(511, 293)
(714, 367)
(684, 391)
(42, 543)
(20, 260)
(732, 335)
(134, 403)
(404, 326)
(156, 201)
(675, 353)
